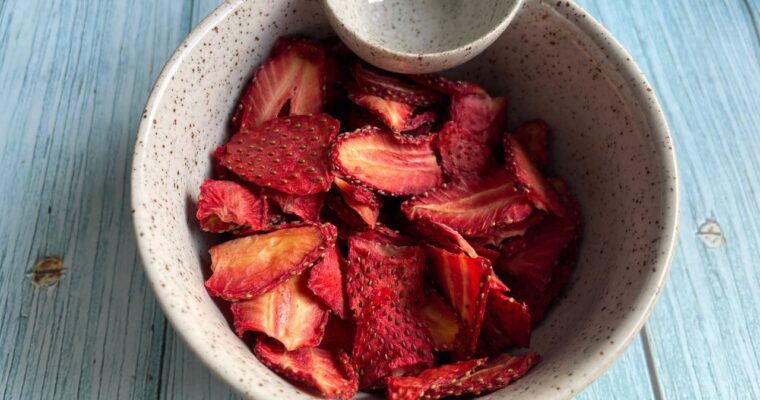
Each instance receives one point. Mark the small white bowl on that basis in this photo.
(609, 139)
(420, 36)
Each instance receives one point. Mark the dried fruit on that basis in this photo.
(289, 313)
(330, 374)
(441, 235)
(382, 84)
(326, 281)
(294, 74)
(440, 321)
(365, 202)
(376, 262)
(286, 154)
(419, 120)
(372, 157)
(251, 265)
(306, 208)
(464, 282)
(533, 137)
(225, 206)
(447, 86)
(395, 115)
(497, 234)
(480, 116)
(471, 207)
(390, 340)
(463, 153)
(497, 373)
(539, 190)
(339, 334)
(414, 387)
(507, 322)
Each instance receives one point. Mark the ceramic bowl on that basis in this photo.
(419, 36)
(610, 141)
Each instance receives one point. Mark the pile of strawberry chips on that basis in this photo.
(384, 232)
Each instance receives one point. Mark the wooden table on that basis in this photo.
(74, 75)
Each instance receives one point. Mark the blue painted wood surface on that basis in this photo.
(74, 75)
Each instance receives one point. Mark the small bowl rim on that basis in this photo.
(595, 32)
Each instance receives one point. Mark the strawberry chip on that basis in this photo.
(395, 115)
(307, 208)
(225, 206)
(326, 281)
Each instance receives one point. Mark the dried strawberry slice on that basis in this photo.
(372, 81)
(329, 373)
(417, 121)
(440, 321)
(533, 136)
(295, 74)
(464, 282)
(219, 171)
(497, 373)
(463, 153)
(441, 235)
(480, 116)
(497, 234)
(342, 216)
(287, 154)
(445, 85)
(414, 387)
(306, 208)
(507, 322)
(394, 114)
(251, 265)
(540, 191)
(484, 251)
(225, 206)
(473, 206)
(390, 340)
(376, 262)
(528, 265)
(372, 157)
(326, 281)
(357, 117)
(365, 202)
(339, 334)
(289, 313)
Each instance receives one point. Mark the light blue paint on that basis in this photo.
(74, 75)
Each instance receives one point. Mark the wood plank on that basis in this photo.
(703, 59)
(74, 76)
(628, 378)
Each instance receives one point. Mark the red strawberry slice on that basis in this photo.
(357, 118)
(447, 86)
(440, 321)
(390, 340)
(463, 153)
(342, 216)
(382, 84)
(376, 262)
(473, 206)
(326, 281)
(295, 74)
(441, 235)
(539, 190)
(419, 120)
(251, 265)
(414, 387)
(330, 374)
(464, 283)
(287, 154)
(372, 157)
(481, 116)
(339, 334)
(507, 322)
(289, 313)
(528, 265)
(496, 235)
(216, 164)
(306, 208)
(533, 136)
(365, 202)
(497, 373)
(484, 251)
(225, 206)
(394, 114)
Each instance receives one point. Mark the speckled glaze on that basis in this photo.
(419, 36)
(610, 140)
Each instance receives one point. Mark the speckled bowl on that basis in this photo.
(555, 61)
(420, 36)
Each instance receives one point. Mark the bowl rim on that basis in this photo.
(595, 32)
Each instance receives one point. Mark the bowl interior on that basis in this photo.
(423, 26)
(609, 141)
